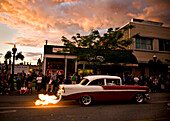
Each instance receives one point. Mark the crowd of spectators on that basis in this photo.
(50, 82)
(155, 83)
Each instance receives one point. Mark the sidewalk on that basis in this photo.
(34, 92)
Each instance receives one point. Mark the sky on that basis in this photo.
(28, 23)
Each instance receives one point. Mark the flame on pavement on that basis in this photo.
(47, 99)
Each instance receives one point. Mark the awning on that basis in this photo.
(109, 57)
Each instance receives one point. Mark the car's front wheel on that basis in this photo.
(139, 98)
(86, 100)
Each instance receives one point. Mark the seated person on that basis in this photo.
(1, 88)
(100, 83)
(29, 89)
(111, 83)
(6, 88)
(23, 89)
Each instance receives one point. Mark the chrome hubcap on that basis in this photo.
(139, 98)
(86, 100)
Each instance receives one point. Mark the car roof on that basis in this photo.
(101, 76)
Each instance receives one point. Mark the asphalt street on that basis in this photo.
(22, 108)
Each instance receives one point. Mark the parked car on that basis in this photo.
(103, 88)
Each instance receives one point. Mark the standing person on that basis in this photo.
(27, 80)
(78, 78)
(54, 79)
(47, 81)
(81, 77)
(123, 79)
(74, 78)
(44, 80)
(136, 80)
(9, 81)
(39, 82)
(18, 78)
(50, 85)
(29, 89)
(22, 78)
(60, 78)
(23, 73)
(30, 78)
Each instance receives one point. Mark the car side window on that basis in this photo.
(113, 82)
(99, 82)
(84, 82)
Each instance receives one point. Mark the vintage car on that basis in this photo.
(103, 88)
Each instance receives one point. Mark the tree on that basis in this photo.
(20, 56)
(98, 45)
(111, 40)
(8, 55)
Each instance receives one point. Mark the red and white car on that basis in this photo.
(103, 88)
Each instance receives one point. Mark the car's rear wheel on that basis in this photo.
(139, 98)
(86, 100)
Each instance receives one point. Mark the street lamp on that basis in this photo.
(154, 58)
(14, 50)
(155, 64)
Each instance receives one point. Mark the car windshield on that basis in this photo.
(84, 81)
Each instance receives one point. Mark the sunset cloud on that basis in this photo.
(9, 43)
(157, 10)
(40, 20)
(32, 54)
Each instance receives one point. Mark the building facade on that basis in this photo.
(58, 60)
(149, 55)
(151, 48)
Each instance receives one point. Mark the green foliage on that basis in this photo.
(8, 55)
(94, 42)
(19, 56)
(111, 40)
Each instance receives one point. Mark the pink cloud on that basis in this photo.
(51, 19)
(157, 10)
(9, 43)
(137, 4)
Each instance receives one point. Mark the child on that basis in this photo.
(6, 88)
(23, 89)
(29, 90)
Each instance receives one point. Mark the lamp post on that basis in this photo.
(14, 50)
(154, 58)
(155, 62)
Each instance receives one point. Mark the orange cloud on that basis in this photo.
(51, 19)
(137, 4)
(8, 43)
(157, 10)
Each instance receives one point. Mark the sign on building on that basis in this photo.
(19, 69)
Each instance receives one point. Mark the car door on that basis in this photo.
(114, 91)
(96, 85)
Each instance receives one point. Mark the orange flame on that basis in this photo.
(46, 99)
